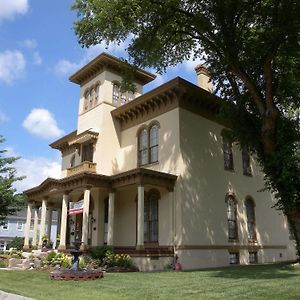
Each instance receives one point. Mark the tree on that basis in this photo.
(10, 201)
(251, 48)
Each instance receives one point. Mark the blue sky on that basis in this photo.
(38, 104)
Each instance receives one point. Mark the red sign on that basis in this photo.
(75, 208)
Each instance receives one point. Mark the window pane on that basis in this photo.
(154, 231)
(153, 136)
(143, 157)
(154, 154)
(143, 139)
(123, 98)
(130, 96)
(228, 157)
(115, 93)
(246, 161)
(86, 101)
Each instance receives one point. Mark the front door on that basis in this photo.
(78, 227)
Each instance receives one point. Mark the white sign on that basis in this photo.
(76, 208)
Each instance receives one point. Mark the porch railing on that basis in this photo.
(85, 166)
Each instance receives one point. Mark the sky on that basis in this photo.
(38, 104)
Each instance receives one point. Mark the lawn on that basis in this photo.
(247, 282)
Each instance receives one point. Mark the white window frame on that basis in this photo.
(5, 226)
(20, 223)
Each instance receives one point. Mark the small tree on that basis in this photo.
(10, 200)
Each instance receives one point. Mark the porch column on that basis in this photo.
(140, 218)
(111, 214)
(49, 222)
(35, 226)
(63, 222)
(85, 219)
(43, 222)
(27, 227)
(58, 224)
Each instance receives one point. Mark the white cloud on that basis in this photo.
(12, 65)
(41, 122)
(36, 170)
(10, 8)
(37, 59)
(3, 117)
(29, 43)
(65, 67)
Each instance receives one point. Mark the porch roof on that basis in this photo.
(138, 176)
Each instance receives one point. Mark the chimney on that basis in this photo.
(203, 78)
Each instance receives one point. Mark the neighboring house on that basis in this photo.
(14, 226)
(151, 175)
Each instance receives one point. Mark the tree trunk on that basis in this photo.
(294, 220)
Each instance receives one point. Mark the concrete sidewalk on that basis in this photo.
(7, 296)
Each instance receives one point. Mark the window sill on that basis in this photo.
(230, 170)
(248, 174)
(233, 240)
(149, 164)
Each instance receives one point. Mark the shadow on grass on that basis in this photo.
(273, 271)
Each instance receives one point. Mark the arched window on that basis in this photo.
(130, 96)
(153, 143)
(151, 217)
(148, 141)
(231, 218)
(228, 156)
(143, 156)
(116, 89)
(250, 212)
(246, 161)
(91, 98)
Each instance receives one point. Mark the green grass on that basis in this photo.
(248, 282)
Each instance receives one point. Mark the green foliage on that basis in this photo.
(61, 259)
(3, 263)
(252, 51)
(16, 243)
(100, 252)
(118, 260)
(10, 200)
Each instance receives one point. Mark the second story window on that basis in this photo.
(87, 152)
(19, 225)
(148, 142)
(228, 156)
(246, 162)
(143, 147)
(153, 143)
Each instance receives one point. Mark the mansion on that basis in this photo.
(152, 175)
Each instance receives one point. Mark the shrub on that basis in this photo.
(61, 259)
(100, 252)
(118, 260)
(16, 243)
(3, 263)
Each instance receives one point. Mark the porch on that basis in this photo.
(131, 211)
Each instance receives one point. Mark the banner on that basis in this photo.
(75, 208)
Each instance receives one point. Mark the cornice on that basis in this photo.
(173, 94)
(105, 61)
(139, 176)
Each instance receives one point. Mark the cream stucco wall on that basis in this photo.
(200, 195)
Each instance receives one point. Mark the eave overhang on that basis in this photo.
(139, 176)
(63, 142)
(175, 93)
(106, 61)
(83, 137)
